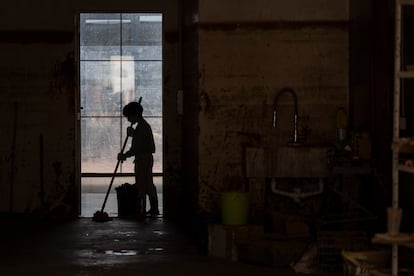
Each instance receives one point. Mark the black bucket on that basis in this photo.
(126, 196)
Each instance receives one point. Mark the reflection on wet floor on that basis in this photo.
(156, 249)
(122, 252)
(158, 232)
(127, 234)
(128, 252)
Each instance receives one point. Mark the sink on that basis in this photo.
(284, 161)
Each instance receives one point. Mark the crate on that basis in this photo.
(365, 263)
(332, 243)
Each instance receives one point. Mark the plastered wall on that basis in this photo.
(248, 53)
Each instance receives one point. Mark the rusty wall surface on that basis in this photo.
(243, 64)
(190, 108)
(38, 101)
(270, 10)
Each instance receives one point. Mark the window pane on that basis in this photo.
(128, 76)
(142, 39)
(100, 86)
(149, 86)
(100, 36)
(100, 144)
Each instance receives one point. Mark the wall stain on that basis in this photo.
(64, 75)
(205, 102)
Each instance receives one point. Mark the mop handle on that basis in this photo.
(113, 176)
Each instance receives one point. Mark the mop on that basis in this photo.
(101, 216)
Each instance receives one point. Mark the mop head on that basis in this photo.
(99, 216)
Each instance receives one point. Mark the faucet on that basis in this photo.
(295, 111)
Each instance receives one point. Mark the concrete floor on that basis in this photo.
(117, 247)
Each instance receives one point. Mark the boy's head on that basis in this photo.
(132, 110)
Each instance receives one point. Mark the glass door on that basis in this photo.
(120, 61)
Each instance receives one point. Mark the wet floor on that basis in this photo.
(117, 247)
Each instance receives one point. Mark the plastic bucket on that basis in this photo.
(127, 200)
(235, 208)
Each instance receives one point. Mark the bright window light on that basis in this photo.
(107, 21)
(150, 18)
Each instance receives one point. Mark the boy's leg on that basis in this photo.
(153, 199)
(141, 190)
(151, 189)
(140, 205)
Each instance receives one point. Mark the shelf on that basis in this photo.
(407, 169)
(404, 145)
(405, 2)
(406, 74)
(349, 170)
(399, 144)
(406, 239)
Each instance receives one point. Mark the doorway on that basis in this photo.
(120, 60)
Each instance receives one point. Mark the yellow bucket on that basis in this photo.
(235, 208)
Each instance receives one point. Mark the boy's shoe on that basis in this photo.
(153, 214)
